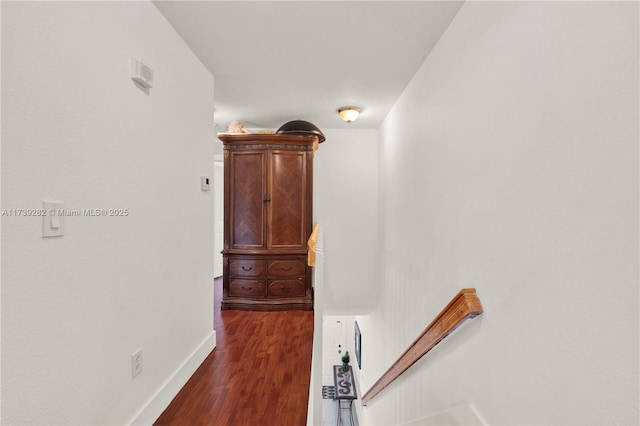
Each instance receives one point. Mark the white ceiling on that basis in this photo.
(276, 61)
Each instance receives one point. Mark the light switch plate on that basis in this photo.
(206, 184)
(53, 220)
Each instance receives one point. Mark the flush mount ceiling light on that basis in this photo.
(349, 114)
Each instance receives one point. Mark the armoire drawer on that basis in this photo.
(286, 288)
(246, 288)
(246, 268)
(286, 268)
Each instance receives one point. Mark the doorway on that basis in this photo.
(218, 214)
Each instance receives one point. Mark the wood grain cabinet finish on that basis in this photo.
(267, 220)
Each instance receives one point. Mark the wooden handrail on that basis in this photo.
(463, 306)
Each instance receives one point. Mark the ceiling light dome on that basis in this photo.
(349, 114)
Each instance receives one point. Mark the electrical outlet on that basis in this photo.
(136, 363)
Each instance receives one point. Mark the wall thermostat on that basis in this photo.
(141, 73)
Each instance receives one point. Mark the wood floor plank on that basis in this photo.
(258, 374)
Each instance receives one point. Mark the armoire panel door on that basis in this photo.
(248, 189)
(288, 193)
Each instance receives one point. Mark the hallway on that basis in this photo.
(257, 375)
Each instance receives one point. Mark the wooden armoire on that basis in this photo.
(268, 193)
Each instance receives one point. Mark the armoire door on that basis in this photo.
(248, 201)
(287, 218)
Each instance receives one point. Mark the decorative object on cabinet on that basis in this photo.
(301, 127)
(268, 217)
(236, 127)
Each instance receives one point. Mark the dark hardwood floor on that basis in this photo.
(257, 375)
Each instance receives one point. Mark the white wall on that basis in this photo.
(510, 164)
(345, 203)
(75, 128)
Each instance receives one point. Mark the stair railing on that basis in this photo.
(463, 306)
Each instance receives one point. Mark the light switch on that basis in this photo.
(206, 185)
(53, 221)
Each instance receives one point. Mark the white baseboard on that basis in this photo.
(150, 411)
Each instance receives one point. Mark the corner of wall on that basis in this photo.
(154, 407)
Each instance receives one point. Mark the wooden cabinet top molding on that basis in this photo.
(265, 138)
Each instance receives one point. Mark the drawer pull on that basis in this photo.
(286, 289)
(246, 288)
(244, 268)
(286, 269)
